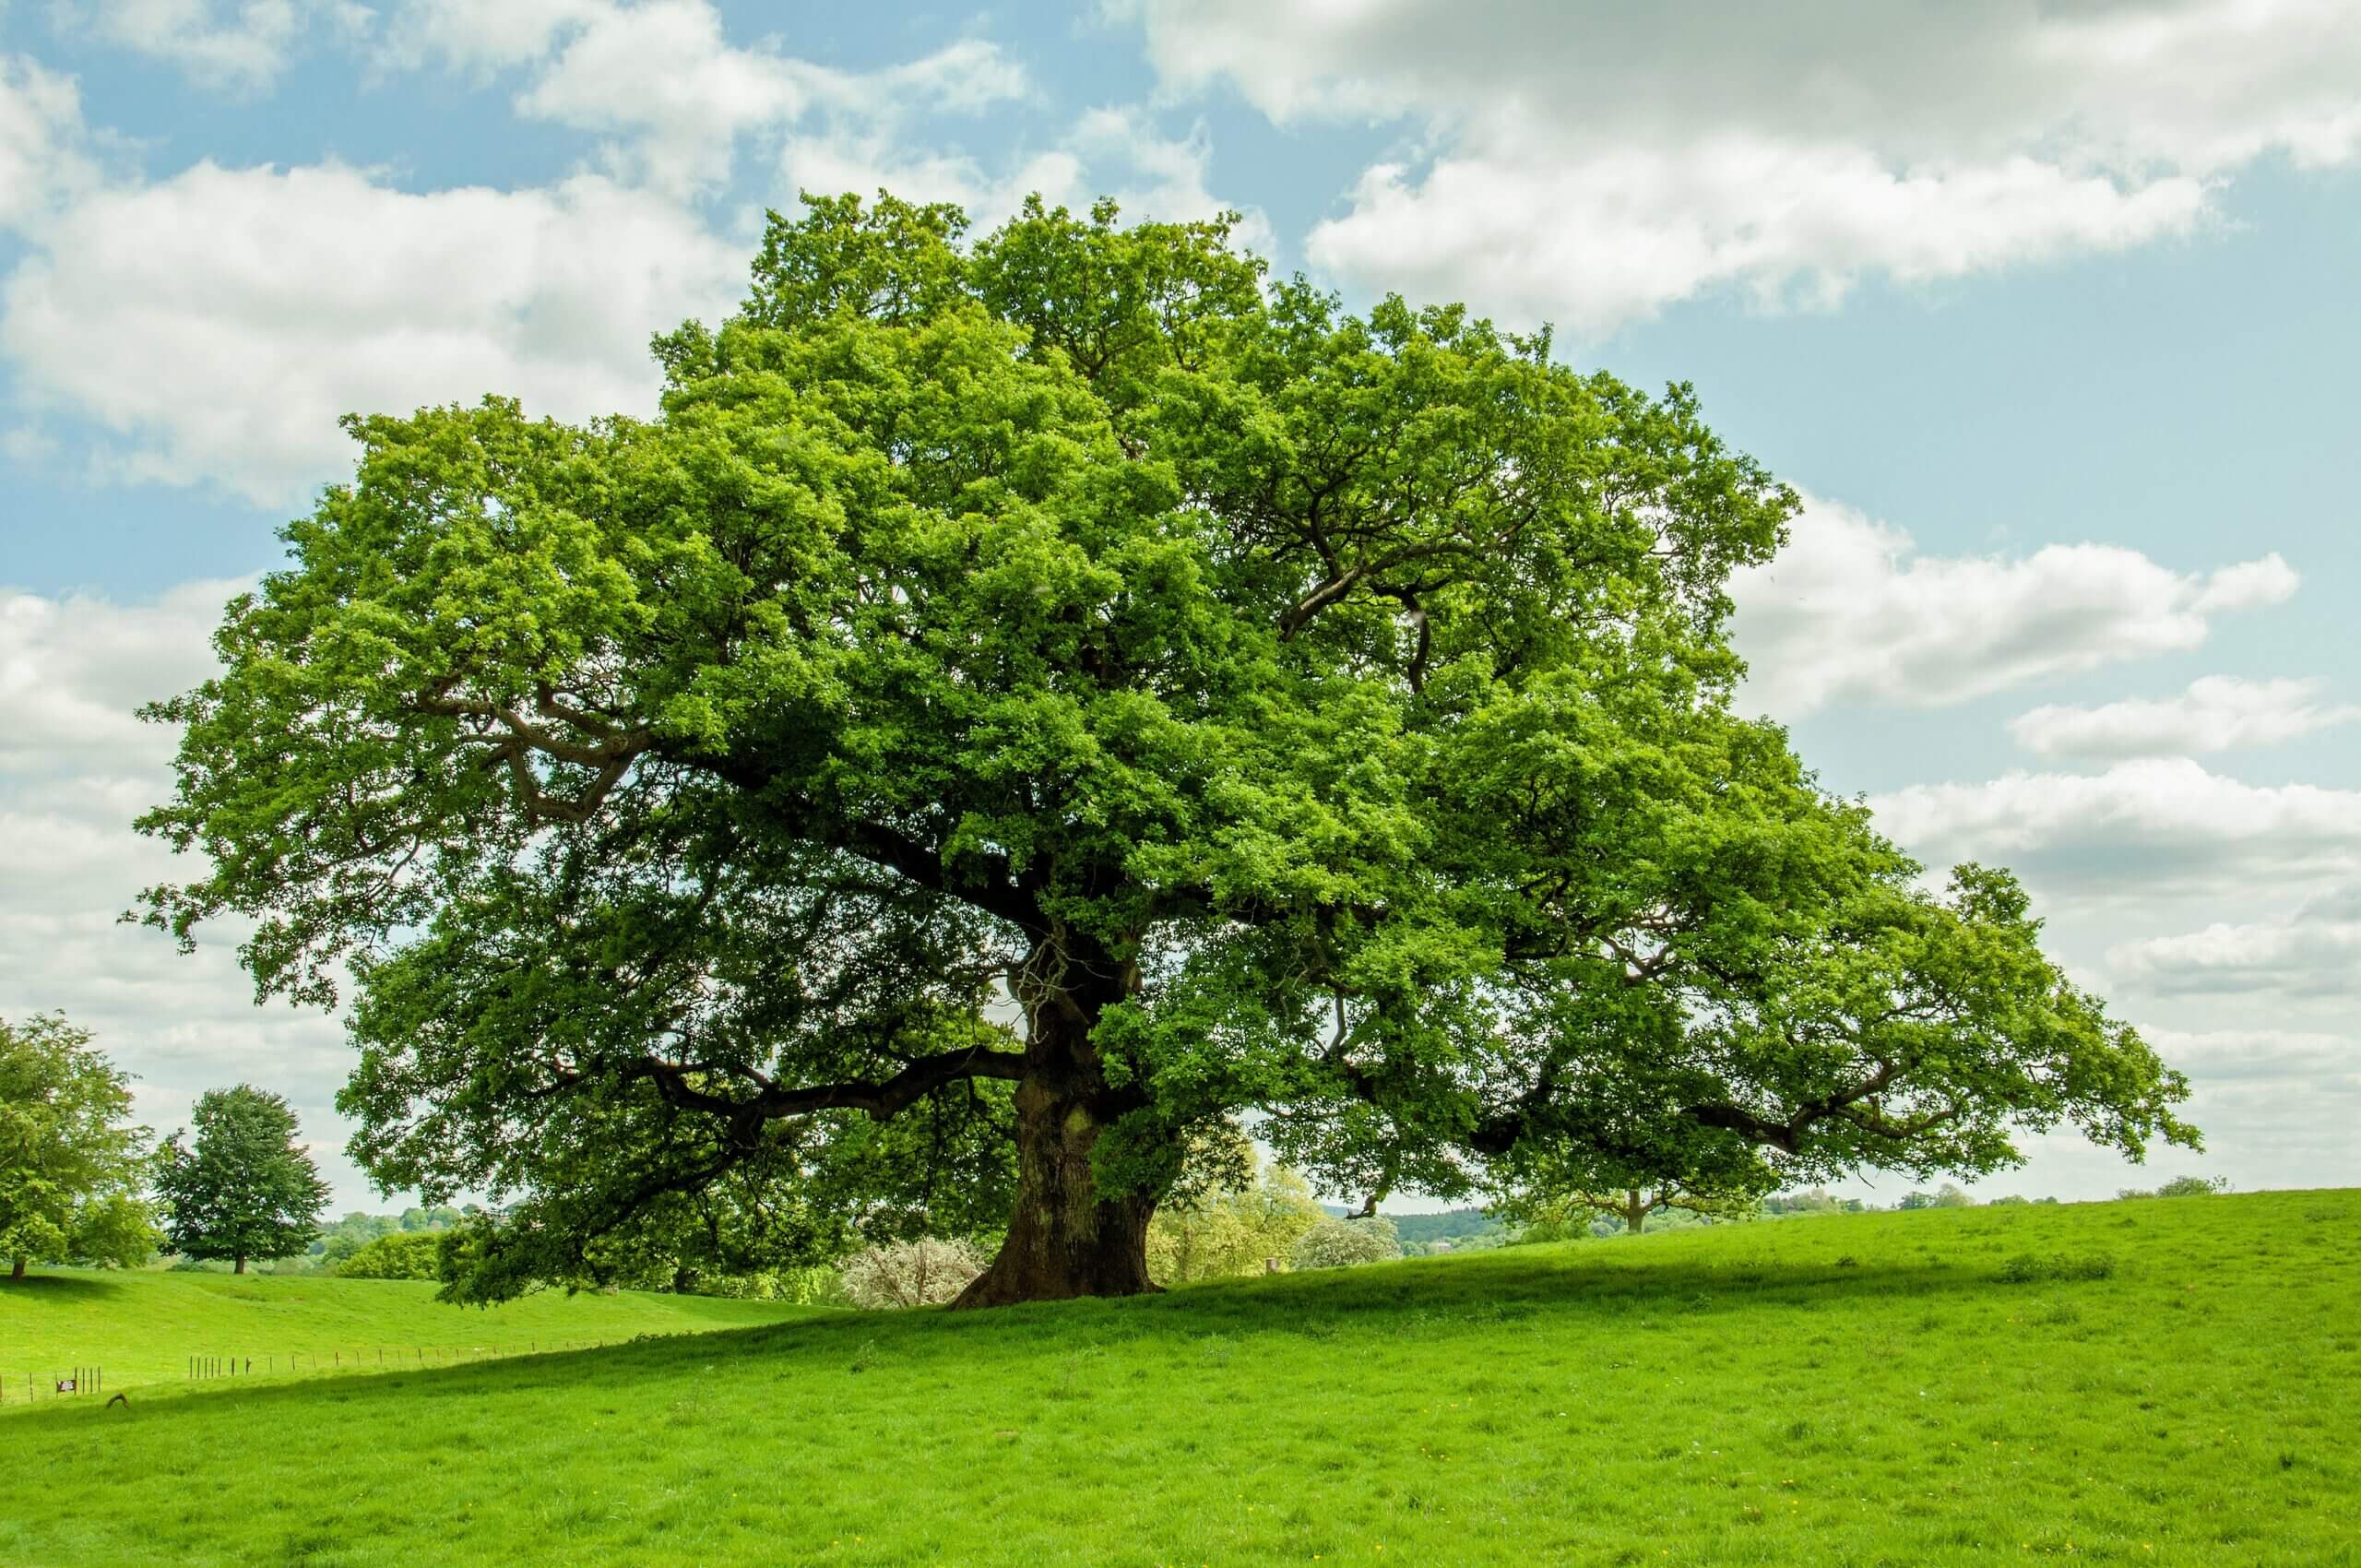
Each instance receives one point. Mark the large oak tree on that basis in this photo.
(1315, 716)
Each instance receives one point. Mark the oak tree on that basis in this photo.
(1022, 705)
(71, 1166)
(241, 1187)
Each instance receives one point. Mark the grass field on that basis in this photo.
(2163, 1381)
(142, 1329)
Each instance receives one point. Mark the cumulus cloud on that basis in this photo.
(232, 45)
(2140, 827)
(675, 98)
(74, 771)
(74, 669)
(2215, 714)
(2314, 953)
(42, 156)
(1118, 152)
(1591, 162)
(1849, 611)
(289, 296)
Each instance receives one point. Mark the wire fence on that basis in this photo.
(82, 1382)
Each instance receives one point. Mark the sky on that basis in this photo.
(2048, 310)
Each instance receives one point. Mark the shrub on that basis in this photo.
(413, 1255)
(1340, 1243)
(923, 1273)
(2026, 1268)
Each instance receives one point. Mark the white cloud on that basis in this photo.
(240, 46)
(1598, 240)
(1107, 151)
(73, 669)
(662, 75)
(2138, 829)
(471, 35)
(282, 298)
(42, 157)
(2314, 953)
(74, 770)
(2215, 714)
(1591, 162)
(662, 80)
(1849, 611)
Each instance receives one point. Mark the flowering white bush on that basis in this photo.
(1339, 1243)
(911, 1274)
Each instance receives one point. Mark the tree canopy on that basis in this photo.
(71, 1167)
(1023, 705)
(241, 1187)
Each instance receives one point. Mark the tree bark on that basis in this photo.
(241, 1265)
(16, 1273)
(1064, 1238)
(1635, 1214)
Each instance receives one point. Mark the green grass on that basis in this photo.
(143, 1328)
(2170, 1382)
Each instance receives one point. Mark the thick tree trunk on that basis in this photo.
(16, 1273)
(1064, 1238)
(1635, 1214)
(239, 1267)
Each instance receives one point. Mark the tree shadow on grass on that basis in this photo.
(1416, 1299)
(76, 1287)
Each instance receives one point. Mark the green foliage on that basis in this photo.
(1316, 715)
(1341, 1243)
(70, 1169)
(1462, 1228)
(1728, 1394)
(1235, 1221)
(415, 1255)
(2026, 1268)
(2182, 1187)
(243, 1187)
(1813, 1200)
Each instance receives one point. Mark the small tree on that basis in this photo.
(1341, 1243)
(924, 1273)
(1229, 1222)
(408, 1254)
(243, 1188)
(70, 1171)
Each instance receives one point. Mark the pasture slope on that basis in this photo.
(2170, 1382)
(143, 1328)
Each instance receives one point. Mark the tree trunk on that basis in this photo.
(1064, 1238)
(16, 1274)
(241, 1265)
(1635, 1214)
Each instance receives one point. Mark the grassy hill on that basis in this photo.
(2166, 1381)
(143, 1328)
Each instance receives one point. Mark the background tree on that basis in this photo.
(923, 1272)
(1632, 1206)
(1234, 1220)
(70, 1169)
(1319, 715)
(243, 1187)
(1341, 1243)
(403, 1254)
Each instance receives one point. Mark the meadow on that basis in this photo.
(2157, 1382)
(143, 1329)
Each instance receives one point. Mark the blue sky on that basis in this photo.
(2049, 312)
